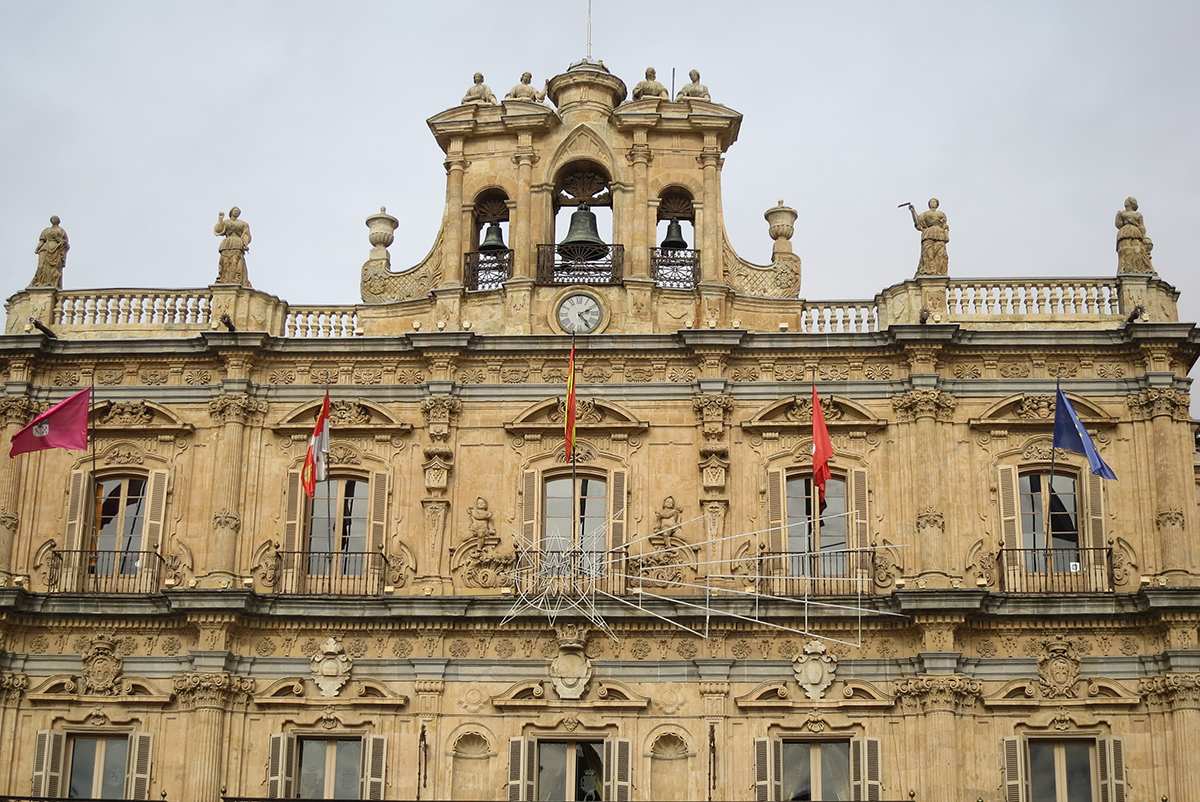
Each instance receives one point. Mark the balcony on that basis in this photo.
(580, 264)
(332, 573)
(104, 572)
(841, 572)
(1056, 570)
(487, 270)
(675, 268)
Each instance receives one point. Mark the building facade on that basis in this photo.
(465, 610)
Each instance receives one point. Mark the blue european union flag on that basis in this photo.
(1070, 435)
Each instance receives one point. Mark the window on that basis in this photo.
(334, 543)
(116, 534)
(1044, 500)
(816, 770)
(814, 552)
(322, 767)
(338, 528)
(1079, 770)
(114, 526)
(92, 766)
(573, 534)
(811, 532)
(568, 770)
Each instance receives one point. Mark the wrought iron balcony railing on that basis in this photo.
(841, 572)
(580, 264)
(1056, 570)
(85, 571)
(332, 573)
(487, 270)
(676, 268)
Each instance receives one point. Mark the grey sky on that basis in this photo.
(138, 122)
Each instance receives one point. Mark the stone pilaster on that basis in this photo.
(208, 698)
(232, 411)
(940, 699)
(1166, 409)
(1176, 698)
(15, 413)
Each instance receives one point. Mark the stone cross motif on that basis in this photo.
(331, 667)
(814, 669)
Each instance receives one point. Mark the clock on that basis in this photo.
(579, 313)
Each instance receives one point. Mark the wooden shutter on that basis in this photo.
(1100, 576)
(776, 497)
(49, 757)
(617, 530)
(1013, 770)
(529, 495)
(281, 766)
(618, 755)
(522, 768)
(152, 533)
(294, 513)
(1111, 752)
(768, 765)
(379, 488)
(862, 537)
(1010, 509)
(137, 765)
(374, 764)
(80, 500)
(864, 769)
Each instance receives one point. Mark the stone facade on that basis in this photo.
(686, 646)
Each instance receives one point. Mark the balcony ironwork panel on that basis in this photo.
(676, 268)
(1056, 570)
(580, 264)
(332, 573)
(841, 572)
(487, 270)
(85, 571)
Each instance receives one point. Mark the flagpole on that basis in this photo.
(1053, 454)
(576, 537)
(328, 499)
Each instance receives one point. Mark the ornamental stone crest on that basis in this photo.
(571, 670)
(331, 667)
(1058, 669)
(439, 410)
(102, 667)
(128, 413)
(814, 669)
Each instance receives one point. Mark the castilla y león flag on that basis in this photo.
(822, 449)
(318, 451)
(64, 425)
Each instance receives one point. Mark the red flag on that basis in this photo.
(569, 418)
(64, 425)
(822, 449)
(318, 450)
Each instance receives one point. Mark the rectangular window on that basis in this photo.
(1054, 550)
(88, 766)
(569, 770)
(574, 526)
(98, 768)
(338, 526)
(117, 526)
(1068, 770)
(304, 767)
(816, 541)
(816, 770)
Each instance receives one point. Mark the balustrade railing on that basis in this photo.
(675, 268)
(487, 270)
(320, 321)
(1056, 570)
(332, 573)
(1005, 297)
(580, 264)
(132, 308)
(831, 317)
(837, 572)
(85, 571)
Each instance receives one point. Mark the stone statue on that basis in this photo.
(479, 94)
(523, 91)
(694, 89)
(650, 87)
(52, 250)
(232, 267)
(481, 519)
(1133, 246)
(668, 516)
(935, 233)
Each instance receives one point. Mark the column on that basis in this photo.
(232, 412)
(940, 700)
(452, 248)
(639, 242)
(710, 257)
(207, 698)
(15, 414)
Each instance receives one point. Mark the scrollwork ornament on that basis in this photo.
(227, 519)
(215, 690)
(1167, 518)
(128, 413)
(102, 667)
(1159, 401)
(235, 408)
(954, 692)
(1171, 691)
(18, 409)
(917, 404)
(1058, 669)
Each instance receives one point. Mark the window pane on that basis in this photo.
(835, 770)
(83, 768)
(1041, 772)
(1079, 772)
(552, 772)
(589, 768)
(135, 505)
(113, 779)
(347, 767)
(797, 771)
(311, 777)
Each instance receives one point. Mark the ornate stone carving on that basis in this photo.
(1159, 401)
(380, 285)
(949, 693)
(232, 266)
(1039, 449)
(1171, 691)
(523, 90)
(484, 564)
(479, 94)
(935, 233)
(814, 669)
(695, 89)
(348, 413)
(235, 408)
(481, 519)
(1167, 518)
(917, 404)
(1058, 668)
(712, 409)
(123, 456)
(102, 666)
(227, 519)
(801, 410)
(1133, 246)
(331, 667)
(930, 517)
(1036, 407)
(651, 88)
(266, 563)
(571, 670)
(439, 410)
(342, 454)
(12, 687)
(51, 251)
(18, 409)
(128, 413)
(217, 690)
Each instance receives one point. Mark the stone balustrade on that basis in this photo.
(320, 321)
(118, 309)
(830, 317)
(1013, 298)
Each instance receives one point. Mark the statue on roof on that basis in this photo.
(935, 233)
(479, 94)
(51, 250)
(693, 90)
(650, 87)
(1133, 246)
(232, 267)
(523, 90)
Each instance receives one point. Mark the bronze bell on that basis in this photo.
(674, 238)
(582, 243)
(493, 240)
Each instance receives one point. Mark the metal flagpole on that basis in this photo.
(1053, 454)
(328, 498)
(576, 522)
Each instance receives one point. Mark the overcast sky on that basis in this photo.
(1031, 122)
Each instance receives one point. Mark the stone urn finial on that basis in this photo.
(382, 228)
(781, 220)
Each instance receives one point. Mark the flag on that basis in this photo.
(1070, 435)
(318, 451)
(64, 425)
(569, 417)
(822, 449)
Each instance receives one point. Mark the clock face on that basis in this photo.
(579, 314)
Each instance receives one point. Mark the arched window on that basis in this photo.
(337, 528)
(488, 260)
(574, 525)
(814, 551)
(1049, 500)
